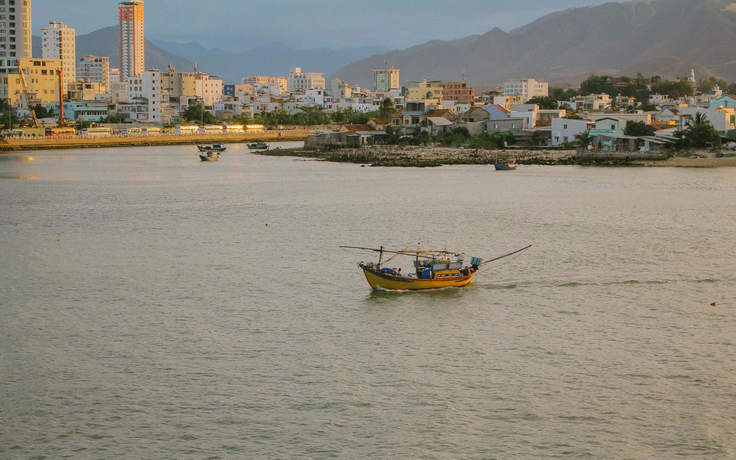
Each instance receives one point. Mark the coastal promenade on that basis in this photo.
(20, 144)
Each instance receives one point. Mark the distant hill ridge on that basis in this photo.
(657, 37)
(267, 59)
(104, 42)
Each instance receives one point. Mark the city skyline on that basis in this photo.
(316, 26)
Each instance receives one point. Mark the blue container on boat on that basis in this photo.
(427, 274)
(476, 261)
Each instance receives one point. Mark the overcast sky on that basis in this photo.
(395, 24)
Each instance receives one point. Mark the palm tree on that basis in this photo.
(583, 139)
(430, 94)
(536, 138)
(386, 110)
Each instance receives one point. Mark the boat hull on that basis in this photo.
(379, 280)
(208, 158)
(505, 167)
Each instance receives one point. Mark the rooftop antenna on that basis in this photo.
(463, 75)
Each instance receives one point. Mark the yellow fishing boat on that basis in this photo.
(432, 269)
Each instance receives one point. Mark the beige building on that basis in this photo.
(421, 92)
(58, 41)
(95, 69)
(42, 78)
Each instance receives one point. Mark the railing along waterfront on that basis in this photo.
(161, 134)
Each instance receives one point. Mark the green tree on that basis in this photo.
(545, 103)
(583, 140)
(648, 107)
(536, 139)
(701, 133)
(194, 112)
(393, 135)
(638, 128)
(386, 110)
(243, 119)
(430, 94)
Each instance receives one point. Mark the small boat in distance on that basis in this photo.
(258, 146)
(210, 152)
(212, 148)
(505, 166)
(432, 269)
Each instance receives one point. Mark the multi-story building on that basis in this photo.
(95, 69)
(132, 34)
(15, 39)
(42, 78)
(528, 88)
(114, 76)
(275, 86)
(423, 90)
(84, 90)
(459, 92)
(147, 88)
(341, 90)
(302, 81)
(386, 79)
(58, 41)
(209, 88)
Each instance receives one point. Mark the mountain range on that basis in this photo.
(265, 59)
(655, 37)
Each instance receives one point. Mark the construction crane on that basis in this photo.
(26, 97)
(61, 97)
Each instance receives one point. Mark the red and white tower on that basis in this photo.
(132, 40)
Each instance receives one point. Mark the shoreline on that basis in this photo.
(445, 156)
(13, 145)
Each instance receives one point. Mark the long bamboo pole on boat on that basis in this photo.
(504, 256)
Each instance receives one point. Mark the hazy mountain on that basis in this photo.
(664, 37)
(267, 58)
(104, 42)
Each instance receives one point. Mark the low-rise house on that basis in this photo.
(550, 114)
(506, 125)
(476, 114)
(723, 119)
(497, 112)
(564, 130)
(658, 99)
(591, 102)
(726, 101)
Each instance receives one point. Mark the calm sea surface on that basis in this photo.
(147, 311)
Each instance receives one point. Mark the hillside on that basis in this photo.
(657, 37)
(104, 42)
(267, 59)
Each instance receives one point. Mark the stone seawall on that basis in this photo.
(14, 145)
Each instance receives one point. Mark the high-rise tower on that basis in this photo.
(132, 40)
(15, 38)
(59, 42)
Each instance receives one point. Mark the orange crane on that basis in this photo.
(61, 97)
(26, 96)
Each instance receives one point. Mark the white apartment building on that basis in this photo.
(341, 90)
(95, 69)
(301, 81)
(209, 88)
(114, 76)
(15, 38)
(58, 41)
(565, 130)
(528, 88)
(147, 87)
(275, 86)
(132, 39)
